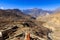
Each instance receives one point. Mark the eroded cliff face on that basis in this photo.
(52, 22)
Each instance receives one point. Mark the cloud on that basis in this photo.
(1, 7)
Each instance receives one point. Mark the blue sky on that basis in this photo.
(27, 4)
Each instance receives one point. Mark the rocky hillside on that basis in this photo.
(52, 22)
(12, 15)
(15, 25)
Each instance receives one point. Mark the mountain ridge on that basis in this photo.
(35, 12)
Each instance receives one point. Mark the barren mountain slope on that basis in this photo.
(53, 22)
(14, 24)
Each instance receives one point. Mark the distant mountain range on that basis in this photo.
(35, 12)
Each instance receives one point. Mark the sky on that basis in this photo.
(29, 4)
